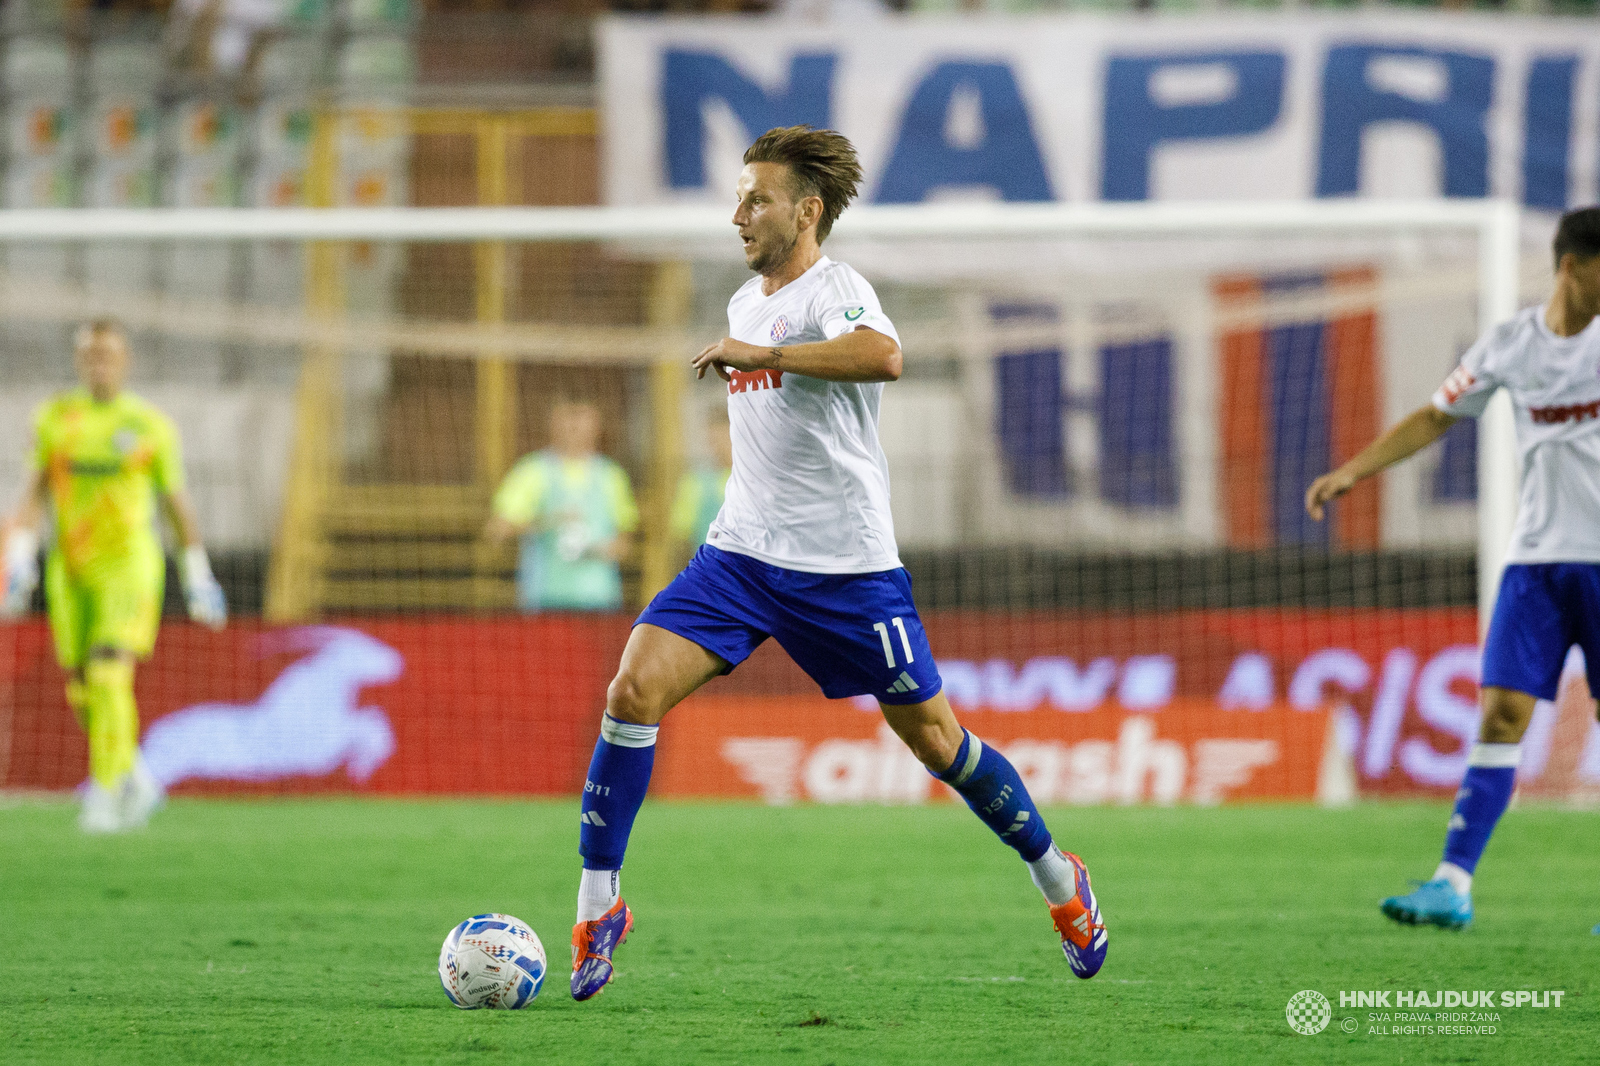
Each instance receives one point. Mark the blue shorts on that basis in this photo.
(1543, 609)
(854, 634)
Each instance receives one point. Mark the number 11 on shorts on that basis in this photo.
(888, 648)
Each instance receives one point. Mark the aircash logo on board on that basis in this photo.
(787, 748)
(1138, 766)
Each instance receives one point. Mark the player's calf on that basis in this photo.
(995, 792)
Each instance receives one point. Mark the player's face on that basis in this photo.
(1583, 276)
(102, 361)
(768, 217)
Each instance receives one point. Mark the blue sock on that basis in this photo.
(619, 775)
(995, 792)
(1482, 799)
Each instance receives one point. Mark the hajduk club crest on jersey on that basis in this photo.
(780, 329)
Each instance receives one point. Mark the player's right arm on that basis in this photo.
(1464, 394)
(21, 549)
(19, 537)
(1407, 437)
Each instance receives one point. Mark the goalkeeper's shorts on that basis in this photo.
(116, 606)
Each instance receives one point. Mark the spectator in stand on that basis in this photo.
(701, 488)
(574, 512)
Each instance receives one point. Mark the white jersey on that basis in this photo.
(810, 486)
(1554, 384)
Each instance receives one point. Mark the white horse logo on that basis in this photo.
(305, 723)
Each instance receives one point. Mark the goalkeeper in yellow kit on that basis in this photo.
(101, 459)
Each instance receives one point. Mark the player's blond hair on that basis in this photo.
(94, 328)
(822, 162)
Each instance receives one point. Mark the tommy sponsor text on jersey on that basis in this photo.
(810, 486)
(1554, 384)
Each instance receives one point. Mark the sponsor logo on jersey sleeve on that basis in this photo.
(1456, 385)
(854, 313)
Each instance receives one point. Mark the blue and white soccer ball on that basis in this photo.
(492, 960)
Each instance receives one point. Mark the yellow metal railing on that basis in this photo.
(297, 581)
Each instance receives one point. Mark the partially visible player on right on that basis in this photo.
(1548, 360)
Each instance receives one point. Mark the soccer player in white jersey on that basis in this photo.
(1548, 359)
(803, 551)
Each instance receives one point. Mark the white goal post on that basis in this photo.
(1495, 224)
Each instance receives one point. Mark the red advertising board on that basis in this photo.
(1095, 708)
(395, 706)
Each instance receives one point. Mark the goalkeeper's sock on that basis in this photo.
(995, 792)
(598, 892)
(113, 720)
(619, 775)
(1483, 797)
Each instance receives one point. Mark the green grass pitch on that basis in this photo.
(308, 931)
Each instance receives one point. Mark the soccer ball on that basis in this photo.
(492, 960)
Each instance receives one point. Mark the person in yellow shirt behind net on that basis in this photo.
(574, 512)
(101, 459)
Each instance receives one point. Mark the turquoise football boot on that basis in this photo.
(1431, 903)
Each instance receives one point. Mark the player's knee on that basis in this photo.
(932, 751)
(1506, 715)
(931, 745)
(628, 699)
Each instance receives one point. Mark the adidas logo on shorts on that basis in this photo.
(905, 684)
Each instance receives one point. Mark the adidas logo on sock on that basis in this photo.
(591, 818)
(905, 684)
(1022, 820)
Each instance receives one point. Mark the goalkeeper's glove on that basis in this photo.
(201, 591)
(20, 573)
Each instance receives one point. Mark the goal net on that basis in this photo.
(1098, 449)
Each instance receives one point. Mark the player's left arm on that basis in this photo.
(180, 512)
(201, 592)
(861, 355)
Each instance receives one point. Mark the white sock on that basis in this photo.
(598, 892)
(1054, 876)
(1459, 879)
